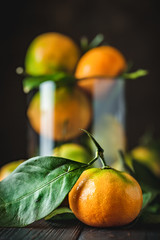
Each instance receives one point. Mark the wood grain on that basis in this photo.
(43, 231)
(74, 230)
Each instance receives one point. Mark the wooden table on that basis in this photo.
(71, 230)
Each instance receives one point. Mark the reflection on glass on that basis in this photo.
(47, 90)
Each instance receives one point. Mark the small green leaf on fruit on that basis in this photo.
(136, 74)
(60, 78)
(63, 211)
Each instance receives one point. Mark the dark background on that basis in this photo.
(131, 26)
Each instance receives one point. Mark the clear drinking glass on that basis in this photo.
(57, 113)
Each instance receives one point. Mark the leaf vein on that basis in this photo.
(42, 186)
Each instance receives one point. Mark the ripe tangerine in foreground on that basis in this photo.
(105, 197)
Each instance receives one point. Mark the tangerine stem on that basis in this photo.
(103, 160)
(93, 160)
(99, 152)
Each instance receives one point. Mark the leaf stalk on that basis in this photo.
(99, 152)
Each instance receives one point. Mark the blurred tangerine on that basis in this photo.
(51, 52)
(72, 151)
(71, 111)
(100, 62)
(8, 168)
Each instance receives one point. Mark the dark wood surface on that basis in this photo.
(73, 230)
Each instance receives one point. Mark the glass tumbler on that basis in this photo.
(57, 112)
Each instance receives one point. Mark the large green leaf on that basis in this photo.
(36, 188)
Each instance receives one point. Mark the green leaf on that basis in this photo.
(154, 208)
(61, 213)
(36, 188)
(60, 78)
(149, 140)
(134, 75)
(96, 41)
(85, 45)
(63, 217)
(58, 211)
(123, 162)
(148, 198)
(99, 151)
(148, 181)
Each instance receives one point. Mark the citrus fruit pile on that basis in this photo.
(72, 103)
(98, 197)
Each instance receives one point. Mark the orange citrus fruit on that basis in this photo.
(147, 156)
(8, 168)
(51, 52)
(72, 151)
(103, 61)
(105, 198)
(71, 111)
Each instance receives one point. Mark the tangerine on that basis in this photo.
(9, 168)
(147, 156)
(71, 110)
(105, 198)
(51, 52)
(72, 151)
(103, 61)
